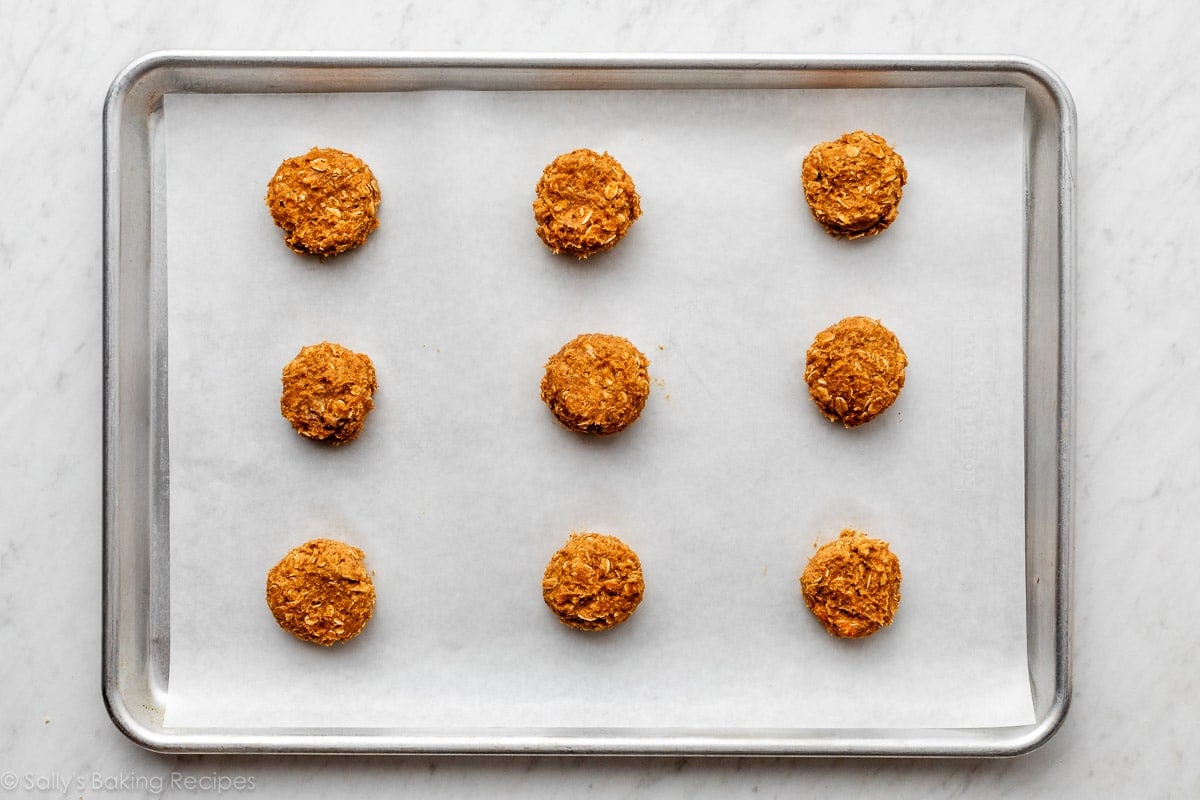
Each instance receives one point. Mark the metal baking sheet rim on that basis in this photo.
(135, 646)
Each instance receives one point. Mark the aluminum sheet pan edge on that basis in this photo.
(135, 650)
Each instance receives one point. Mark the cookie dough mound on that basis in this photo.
(321, 592)
(585, 203)
(855, 370)
(597, 383)
(594, 582)
(325, 201)
(852, 585)
(327, 392)
(853, 184)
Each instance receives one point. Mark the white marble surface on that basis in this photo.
(1132, 727)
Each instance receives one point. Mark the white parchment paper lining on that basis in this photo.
(462, 485)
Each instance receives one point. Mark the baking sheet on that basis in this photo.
(462, 485)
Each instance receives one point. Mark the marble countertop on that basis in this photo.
(1131, 67)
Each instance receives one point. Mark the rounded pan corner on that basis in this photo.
(1053, 88)
(134, 73)
(140, 79)
(137, 729)
(1042, 731)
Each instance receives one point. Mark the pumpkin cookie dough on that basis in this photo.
(321, 592)
(852, 585)
(597, 383)
(585, 203)
(855, 370)
(325, 201)
(327, 392)
(594, 582)
(853, 184)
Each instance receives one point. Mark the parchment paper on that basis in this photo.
(462, 485)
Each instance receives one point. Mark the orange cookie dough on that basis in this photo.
(594, 582)
(321, 592)
(855, 370)
(325, 201)
(596, 383)
(585, 203)
(327, 392)
(852, 585)
(853, 184)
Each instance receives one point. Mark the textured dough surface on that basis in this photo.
(594, 582)
(585, 203)
(328, 391)
(855, 370)
(321, 592)
(853, 184)
(852, 585)
(325, 201)
(597, 383)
